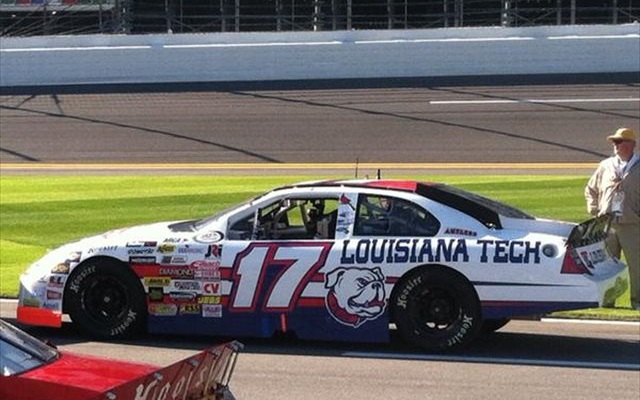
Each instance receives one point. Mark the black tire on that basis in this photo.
(436, 309)
(492, 325)
(105, 300)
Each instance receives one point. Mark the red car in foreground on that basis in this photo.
(33, 370)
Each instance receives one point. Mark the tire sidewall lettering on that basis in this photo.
(404, 295)
(128, 321)
(461, 330)
(78, 279)
(129, 317)
(463, 327)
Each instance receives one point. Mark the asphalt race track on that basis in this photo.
(548, 124)
(521, 127)
(551, 360)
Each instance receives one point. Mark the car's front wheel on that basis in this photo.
(436, 309)
(105, 300)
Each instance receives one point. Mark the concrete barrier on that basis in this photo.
(233, 57)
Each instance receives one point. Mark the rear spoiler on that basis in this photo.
(590, 231)
(204, 376)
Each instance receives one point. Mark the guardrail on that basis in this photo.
(233, 57)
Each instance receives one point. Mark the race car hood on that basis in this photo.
(118, 243)
(140, 234)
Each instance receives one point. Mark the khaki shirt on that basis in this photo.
(602, 184)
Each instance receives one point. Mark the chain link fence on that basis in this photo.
(72, 17)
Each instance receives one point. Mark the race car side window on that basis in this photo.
(390, 216)
(289, 219)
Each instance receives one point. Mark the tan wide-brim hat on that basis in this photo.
(623, 134)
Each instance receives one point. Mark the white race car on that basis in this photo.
(329, 260)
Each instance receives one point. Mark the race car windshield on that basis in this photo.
(21, 351)
(201, 223)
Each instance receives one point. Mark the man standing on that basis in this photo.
(615, 188)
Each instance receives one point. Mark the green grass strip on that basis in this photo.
(38, 213)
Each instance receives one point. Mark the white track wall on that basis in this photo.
(224, 57)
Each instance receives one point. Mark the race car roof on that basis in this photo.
(483, 209)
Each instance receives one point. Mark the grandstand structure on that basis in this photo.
(73, 17)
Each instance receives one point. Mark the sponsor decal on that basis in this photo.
(140, 252)
(174, 260)
(142, 260)
(460, 231)
(346, 218)
(189, 308)
(62, 268)
(214, 251)
(175, 240)
(209, 300)
(31, 301)
(345, 200)
(57, 280)
(157, 281)
(181, 384)
(212, 288)
(163, 309)
(402, 251)
(186, 285)
(209, 237)
(211, 311)
(592, 255)
(54, 295)
(510, 251)
(167, 248)
(52, 304)
(176, 272)
(156, 294)
(191, 250)
(74, 257)
(206, 269)
(102, 249)
(356, 295)
(142, 244)
(182, 296)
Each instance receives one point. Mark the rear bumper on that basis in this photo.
(576, 293)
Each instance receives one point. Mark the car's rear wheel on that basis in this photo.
(436, 309)
(105, 300)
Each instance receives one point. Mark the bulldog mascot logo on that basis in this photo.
(356, 295)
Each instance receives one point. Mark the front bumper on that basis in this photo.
(39, 316)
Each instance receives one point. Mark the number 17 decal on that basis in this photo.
(295, 265)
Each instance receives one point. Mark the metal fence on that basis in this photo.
(46, 17)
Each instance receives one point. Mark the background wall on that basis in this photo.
(224, 57)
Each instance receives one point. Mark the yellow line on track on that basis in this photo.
(300, 166)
